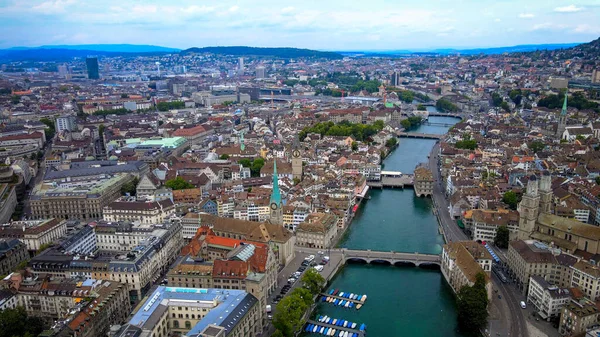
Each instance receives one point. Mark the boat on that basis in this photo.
(335, 301)
(322, 329)
(334, 321)
(363, 327)
(363, 298)
(341, 294)
(335, 292)
(320, 318)
(351, 304)
(341, 334)
(353, 326)
(323, 298)
(307, 327)
(358, 306)
(347, 304)
(326, 333)
(314, 328)
(331, 292)
(332, 332)
(356, 296)
(339, 322)
(345, 324)
(345, 333)
(351, 296)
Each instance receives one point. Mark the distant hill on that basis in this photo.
(58, 55)
(114, 48)
(272, 52)
(449, 51)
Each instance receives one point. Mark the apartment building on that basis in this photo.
(547, 299)
(577, 316)
(12, 253)
(586, 276)
(485, 223)
(317, 231)
(35, 233)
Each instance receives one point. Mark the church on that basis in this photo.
(537, 221)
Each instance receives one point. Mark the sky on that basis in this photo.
(323, 24)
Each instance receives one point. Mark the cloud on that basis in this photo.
(287, 9)
(526, 15)
(234, 8)
(53, 6)
(568, 9)
(586, 29)
(497, 20)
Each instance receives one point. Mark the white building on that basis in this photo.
(547, 299)
(129, 209)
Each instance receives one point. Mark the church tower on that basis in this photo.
(297, 164)
(276, 205)
(562, 119)
(529, 209)
(546, 193)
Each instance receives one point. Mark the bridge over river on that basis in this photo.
(419, 135)
(373, 256)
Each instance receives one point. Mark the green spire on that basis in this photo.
(242, 145)
(564, 108)
(275, 195)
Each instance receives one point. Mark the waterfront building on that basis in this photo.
(145, 212)
(528, 258)
(12, 253)
(195, 312)
(547, 299)
(577, 316)
(35, 233)
(423, 183)
(80, 198)
(462, 261)
(317, 231)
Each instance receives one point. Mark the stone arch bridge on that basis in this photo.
(392, 258)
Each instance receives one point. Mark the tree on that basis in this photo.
(598, 180)
(63, 88)
(296, 181)
(124, 96)
(502, 236)
(511, 199)
(445, 105)
(245, 162)
(178, 184)
(257, 164)
(15, 99)
(421, 107)
(536, 146)
(16, 322)
(472, 306)
(101, 129)
(289, 313)
(50, 130)
(354, 146)
(313, 281)
(390, 143)
(224, 156)
(130, 187)
(277, 333)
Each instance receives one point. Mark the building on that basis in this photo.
(80, 240)
(547, 299)
(596, 76)
(277, 237)
(529, 258)
(577, 316)
(462, 261)
(91, 64)
(423, 182)
(586, 276)
(35, 233)
(8, 202)
(194, 135)
(317, 231)
(65, 123)
(12, 253)
(145, 212)
(297, 167)
(485, 223)
(562, 120)
(79, 198)
(260, 72)
(195, 312)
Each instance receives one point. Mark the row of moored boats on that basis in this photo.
(329, 331)
(347, 300)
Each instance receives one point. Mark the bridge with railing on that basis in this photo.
(419, 135)
(392, 258)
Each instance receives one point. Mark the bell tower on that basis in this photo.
(529, 208)
(546, 193)
(276, 216)
(562, 119)
(296, 164)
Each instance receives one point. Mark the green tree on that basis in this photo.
(245, 162)
(354, 146)
(296, 181)
(15, 99)
(130, 187)
(224, 156)
(313, 281)
(598, 180)
(63, 88)
(50, 130)
(502, 236)
(536, 146)
(421, 107)
(445, 105)
(101, 129)
(16, 322)
(511, 199)
(405, 124)
(257, 164)
(390, 143)
(472, 306)
(178, 184)
(277, 333)
(289, 313)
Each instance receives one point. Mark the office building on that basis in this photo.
(12, 253)
(317, 231)
(35, 233)
(195, 312)
(145, 212)
(260, 72)
(241, 64)
(92, 68)
(65, 123)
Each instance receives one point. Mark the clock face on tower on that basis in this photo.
(273, 206)
(296, 153)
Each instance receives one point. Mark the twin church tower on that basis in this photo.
(537, 199)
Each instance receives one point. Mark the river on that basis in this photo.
(402, 301)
